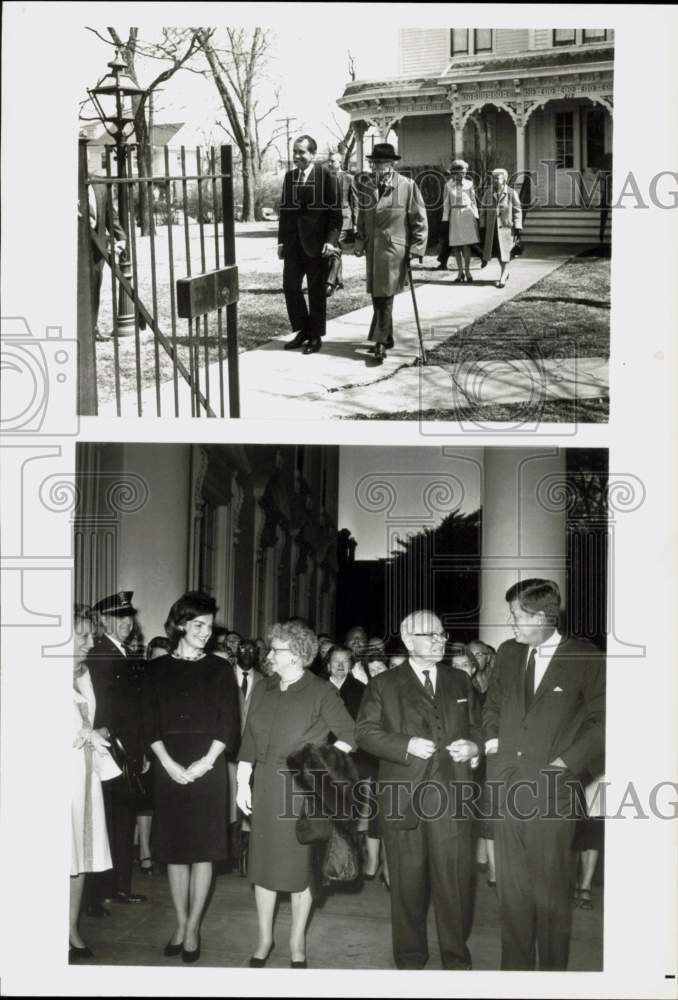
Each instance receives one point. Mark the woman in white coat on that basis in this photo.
(460, 212)
(502, 221)
(91, 764)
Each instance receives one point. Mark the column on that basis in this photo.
(524, 530)
(458, 141)
(520, 153)
(359, 128)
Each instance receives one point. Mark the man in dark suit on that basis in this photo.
(544, 727)
(103, 219)
(118, 713)
(418, 720)
(308, 230)
(246, 677)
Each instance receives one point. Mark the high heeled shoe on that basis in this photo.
(76, 954)
(147, 870)
(189, 957)
(259, 963)
(172, 950)
(302, 964)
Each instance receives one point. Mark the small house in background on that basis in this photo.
(537, 101)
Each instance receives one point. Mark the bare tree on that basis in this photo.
(345, 137)
(177, 46)
(237, 69)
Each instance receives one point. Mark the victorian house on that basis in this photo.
(536, 101)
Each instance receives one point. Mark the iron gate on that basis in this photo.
(168, 340)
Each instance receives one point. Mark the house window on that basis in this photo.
(459, 41)
(594, 35)
(564, 36)
(482, 39)
(565, 140)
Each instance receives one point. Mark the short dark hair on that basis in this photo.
(190, 605)
(312, 144)
(158, 642)
(535, 595)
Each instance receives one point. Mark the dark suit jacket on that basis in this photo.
(310, 214)
(395, 708)
(107, 219)
(351, 693)
(117, 693)
(254, 678)
(566, 718)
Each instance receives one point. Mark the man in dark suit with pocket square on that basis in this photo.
(543, 722)
(418, 719)
(308, 232)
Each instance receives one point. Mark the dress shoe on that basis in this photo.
(303, 964)
(379, 353)
(189, 957)
(171, 950)
(469, 277)
(296, 341)
(312, 345)
(128, 897)
(97, 910)
(459, 280)
(259, 963)
(76, 954)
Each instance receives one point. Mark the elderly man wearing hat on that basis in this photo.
(391, 228)
(118, 714)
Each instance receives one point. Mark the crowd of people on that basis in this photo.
(326, 211)
(204, 742)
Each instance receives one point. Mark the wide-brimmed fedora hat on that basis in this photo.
(119, 604)
(383, 151)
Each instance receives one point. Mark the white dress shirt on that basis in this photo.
(432, 672)
(117, 643)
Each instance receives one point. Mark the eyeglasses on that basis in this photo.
(441, 636)
(280, 649)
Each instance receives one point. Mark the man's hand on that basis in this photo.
(243, 797)
(421, 748)
(462, 751)
(558, 762)
(120, 246)
(329, 250)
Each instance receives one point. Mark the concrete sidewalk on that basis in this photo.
(280, 384)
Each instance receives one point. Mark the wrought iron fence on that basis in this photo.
(157, 322)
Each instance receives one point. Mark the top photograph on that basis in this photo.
(418, 230)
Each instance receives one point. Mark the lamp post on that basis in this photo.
(109, 99)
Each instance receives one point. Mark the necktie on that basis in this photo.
(428, 686)
(243, 686)
(529, 680)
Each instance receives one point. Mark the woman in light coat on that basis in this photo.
(460, 211)
(502, 219)
(391, 227)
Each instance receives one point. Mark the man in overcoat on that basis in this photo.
(391, 228)
(308, 231)
(418, 719)
(118, 712)
(543, 721)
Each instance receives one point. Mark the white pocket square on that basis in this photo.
(462, 701)
(558, 689)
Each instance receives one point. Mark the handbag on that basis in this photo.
(517, 249)
(130, 774)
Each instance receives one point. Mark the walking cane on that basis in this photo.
(416, 314)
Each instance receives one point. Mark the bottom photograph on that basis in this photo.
(339, 707)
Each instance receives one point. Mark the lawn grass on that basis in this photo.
(565, 315)
(548, 411)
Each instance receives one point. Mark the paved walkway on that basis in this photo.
(280, 384)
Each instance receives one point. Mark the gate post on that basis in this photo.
(87, 367)
(227, 209)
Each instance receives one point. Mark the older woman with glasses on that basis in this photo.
(460, 212)
(291, 708)
(502, 220)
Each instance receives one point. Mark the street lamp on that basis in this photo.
(112, 100)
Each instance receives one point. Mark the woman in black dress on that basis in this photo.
(290, 708)
(191, 715)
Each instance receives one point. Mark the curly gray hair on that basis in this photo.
(301, 639)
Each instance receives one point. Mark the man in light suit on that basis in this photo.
(247, 677)
(308, 231)
(418, 719)
(118, 712)
(543, 721)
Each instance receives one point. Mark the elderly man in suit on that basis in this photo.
(543, 723)
(418, 720)
(246, 677)
(391, 228)
(308, 230)
(335, 277)
(118, 713)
